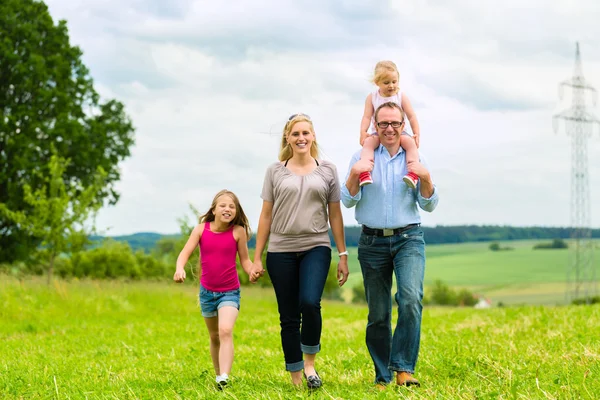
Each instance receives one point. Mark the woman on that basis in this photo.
(300, 193)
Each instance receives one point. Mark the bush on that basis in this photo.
(584, 301)
(115, 260)
(358, 293)
(495, 246)
(332, 290)
(441, 294)
(63, 267)
(555, 244)
(466, 298)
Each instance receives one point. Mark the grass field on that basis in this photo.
(111, 340)
(521, 275)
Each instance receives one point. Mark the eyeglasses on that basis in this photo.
(296, 115)
(394, 124)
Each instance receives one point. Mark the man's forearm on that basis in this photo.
(426, 186)
(352, 183)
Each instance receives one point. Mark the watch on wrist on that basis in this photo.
(343, 253)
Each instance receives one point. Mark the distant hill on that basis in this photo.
(433, 235)
(141, 240)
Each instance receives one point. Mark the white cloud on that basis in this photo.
(209, 86)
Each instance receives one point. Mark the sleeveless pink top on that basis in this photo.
(218, 251)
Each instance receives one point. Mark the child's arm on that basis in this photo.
(187, 251)
(412, 118)
(366, 119)
(262, 233)
(242, 248)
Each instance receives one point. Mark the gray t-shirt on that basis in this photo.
(299, 220)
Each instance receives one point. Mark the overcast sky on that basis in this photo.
(209, 85)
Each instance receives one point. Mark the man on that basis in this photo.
(391, 242)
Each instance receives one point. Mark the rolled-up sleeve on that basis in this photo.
(428, 203)
(347, 200)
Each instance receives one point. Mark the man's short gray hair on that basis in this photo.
(389, 104)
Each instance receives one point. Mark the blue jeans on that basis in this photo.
(381, 257)
(299, 280)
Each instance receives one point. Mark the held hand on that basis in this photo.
(179, 276)
(256, 272)
(342, 271)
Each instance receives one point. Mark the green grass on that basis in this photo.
(521, 275)
(112, 340)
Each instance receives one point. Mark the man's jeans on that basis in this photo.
(380, 257)
(299, 280)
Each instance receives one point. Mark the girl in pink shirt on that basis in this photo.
(222, 233)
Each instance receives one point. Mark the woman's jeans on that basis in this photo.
(299, 280)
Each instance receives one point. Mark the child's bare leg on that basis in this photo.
(369, 145)
(412, 157)
(410, 147)
(212, 324)
(227, 317)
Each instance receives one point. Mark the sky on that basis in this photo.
(210, 84)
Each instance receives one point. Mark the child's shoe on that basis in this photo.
(222, 381)
(411, 179)
(364, 178)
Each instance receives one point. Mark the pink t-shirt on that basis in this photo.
(218, 251)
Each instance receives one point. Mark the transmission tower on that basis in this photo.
(579, 123)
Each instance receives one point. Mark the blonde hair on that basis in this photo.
(240, 217)
(384, 69)
(285, 150)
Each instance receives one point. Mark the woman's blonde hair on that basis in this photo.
(384, 69)
(240, 217)
(285, 150)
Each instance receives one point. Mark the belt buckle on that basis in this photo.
(388, 232)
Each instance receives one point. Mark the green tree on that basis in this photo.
(57, 213)
(47, 97)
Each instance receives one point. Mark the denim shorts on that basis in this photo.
(211, 301)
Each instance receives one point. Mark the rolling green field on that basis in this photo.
(521, 275)
(112, 340)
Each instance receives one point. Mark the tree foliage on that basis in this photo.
(57, 213)
(47, 98)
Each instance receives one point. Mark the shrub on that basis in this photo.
(587, 300)
(466, 298)
(555, 244)
(441, 294)
(495, 246)
(332, 290)
(358, 293)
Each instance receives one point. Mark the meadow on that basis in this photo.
(116, 340)
(518, 276)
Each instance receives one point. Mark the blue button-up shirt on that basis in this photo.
(388, 202)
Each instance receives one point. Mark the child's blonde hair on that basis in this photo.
(240, 217)
(384, 69)
(285, 150)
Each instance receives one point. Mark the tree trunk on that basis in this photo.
(51, 268)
